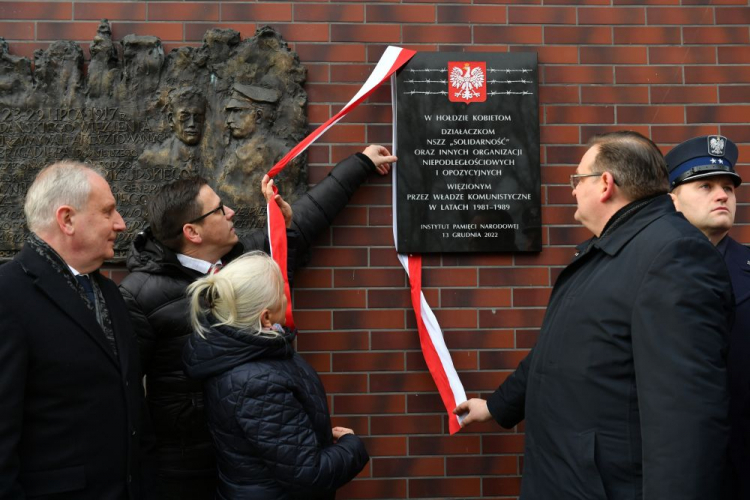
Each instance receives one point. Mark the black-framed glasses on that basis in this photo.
(198, 219)
(576, 178)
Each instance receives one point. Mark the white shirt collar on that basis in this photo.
(202, 266)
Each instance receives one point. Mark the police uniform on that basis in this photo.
(694, 159)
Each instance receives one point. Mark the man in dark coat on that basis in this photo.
(191, 233)
(703, 183)
(69, 383)
(625, 393)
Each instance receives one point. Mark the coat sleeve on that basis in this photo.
(14, 363)
(290, 448)
(507, 404)
(142, 327)
(681, 317)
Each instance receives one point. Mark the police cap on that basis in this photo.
(244, 95)
(701, 157)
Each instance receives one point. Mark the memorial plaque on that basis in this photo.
(467, 140)
(227, 110)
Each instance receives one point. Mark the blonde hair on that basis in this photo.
(238, 295)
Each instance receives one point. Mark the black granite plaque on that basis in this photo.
(467, 139)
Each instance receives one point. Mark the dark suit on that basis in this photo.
(737, 258)
(70, 424)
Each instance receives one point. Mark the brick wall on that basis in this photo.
(670, 69)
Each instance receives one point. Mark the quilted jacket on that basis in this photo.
(155, 294)
(268, 417)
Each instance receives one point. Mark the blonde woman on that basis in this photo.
(267, 409)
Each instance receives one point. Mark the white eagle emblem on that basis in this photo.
(467, 81)
(716, 145)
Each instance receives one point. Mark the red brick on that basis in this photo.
(437, 34)
(35, 11)
(352, 216)
(526, 339)
(448, 318)
(558, 215)
(400, 14)
(330, 53)
(480, 260)
(408, 467)
(372, 195)
(559, 134)
(344, 132)
(559, 94)
(366, 320)
(648, 74)
(386, 446)
(611, 15)
(550, 54)
(683, 94)
(580, 114)
(503, 486)
(739, 133)
(321, 362)
(701, 74)
(647, 36)
(578, 74)
(313, 278)
(501, 359)
(302, 32)
(425, 402)
(503, 443)
(444, 445)
(329, 13)
(445, 487)
(646, 2)
(509, 34)
(650, 114)
(345, 278)
(541, 15)
(548, 257)
(365, 33)
(363, 236)
(588, 131)
(179, 11)
(18, 31)
(614, 55)
(717, 114)
(369, 404)
(165, 31)
(531, 297)
(716, 35)
(519, 276)
(395, 341)
(402, 382)
(373, 488)
(256, 12)
(733, 55)
(577, 35)
(333, 341)
(328, 299)
(510, 318)
(682, 55)
(313, 320)
(681, 17)
(675, 134)
(621, 94)
(471, 14)
(478, 339)
(338, 257)
(398, 298)
(733, 94)
(733, 15)
(568, 235)
(368, 362)
(77, 31)
(448, 277)
(110, 10)
(481, 466)
(474, 297)
(347, 383)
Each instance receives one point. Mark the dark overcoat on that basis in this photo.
(625, 393)
(70, 419)
(737, 257)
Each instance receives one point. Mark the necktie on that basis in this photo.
(85, 282)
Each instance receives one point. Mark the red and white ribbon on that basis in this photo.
(431, 338)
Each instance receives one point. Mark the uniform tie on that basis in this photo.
(85, 282)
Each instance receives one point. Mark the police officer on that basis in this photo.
(703, 183)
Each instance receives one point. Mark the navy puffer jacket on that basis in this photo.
(269, 419)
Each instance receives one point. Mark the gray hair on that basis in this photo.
(62, 183)
(237, 296)
(634, 161)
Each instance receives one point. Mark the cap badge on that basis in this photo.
(716, 145)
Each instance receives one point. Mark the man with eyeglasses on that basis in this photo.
(703, 181)
(625, 394)
(191, 233)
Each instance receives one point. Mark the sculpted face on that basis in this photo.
(187, 122)
(709, 204)
(242, 122)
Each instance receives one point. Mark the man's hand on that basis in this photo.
(381, 157)
(266, 186)
(474, 410)
(340, 431)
